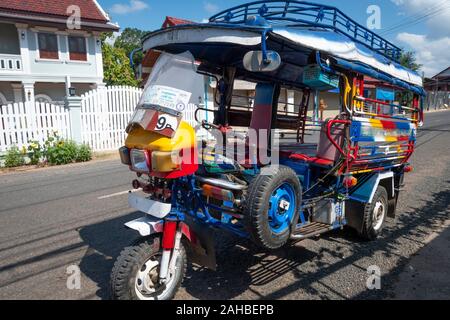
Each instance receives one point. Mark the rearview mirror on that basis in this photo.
(254, 61)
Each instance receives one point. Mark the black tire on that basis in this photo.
(373, 222)
(256, 207)
(132, 259)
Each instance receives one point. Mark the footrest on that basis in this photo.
(311, 230)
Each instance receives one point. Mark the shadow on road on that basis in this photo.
(242, 267)
(433, 213)
(105, 240)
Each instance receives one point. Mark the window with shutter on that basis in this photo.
(48, 46)
(77, 48)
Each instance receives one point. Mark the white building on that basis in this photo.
(47, 47)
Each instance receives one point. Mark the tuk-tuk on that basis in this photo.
(268, 170)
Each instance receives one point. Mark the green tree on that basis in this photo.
(129, 40)
(116, 66)
(408, 59)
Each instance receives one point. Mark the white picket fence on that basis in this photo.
(105, 113)
(21, 123)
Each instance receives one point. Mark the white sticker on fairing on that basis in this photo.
(168, 97)
(166, 121)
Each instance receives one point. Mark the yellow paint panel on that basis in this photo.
(141, 139)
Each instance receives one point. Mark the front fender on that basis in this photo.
(200, 238)
(149, 225)
(146, 226)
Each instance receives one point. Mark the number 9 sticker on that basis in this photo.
(166, 122)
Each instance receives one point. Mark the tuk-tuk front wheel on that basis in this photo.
(272, 206)
(135, 275)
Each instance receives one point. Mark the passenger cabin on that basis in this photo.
(320, 50)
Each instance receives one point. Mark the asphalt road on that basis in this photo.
(51, 219)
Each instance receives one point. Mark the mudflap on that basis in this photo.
(202, 243)
(354, 216)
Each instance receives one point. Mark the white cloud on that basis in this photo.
(210, 7)
(434, 13)
(433, 49)
(132, 6)
(433, 54)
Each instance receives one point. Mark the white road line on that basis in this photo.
(118, 194)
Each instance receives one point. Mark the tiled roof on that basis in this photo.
(172, 21)
(151, 56)
(443, 74)
(88, 8)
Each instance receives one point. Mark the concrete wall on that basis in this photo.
(57, 91)
(64, 66)
(21, 39)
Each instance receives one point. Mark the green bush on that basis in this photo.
(84, 153)
(14, 158)
(55, 151)
(62, 152)
(36, 152)
(66, 151)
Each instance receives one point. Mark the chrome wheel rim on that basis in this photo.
(379, 211)
(147, 286)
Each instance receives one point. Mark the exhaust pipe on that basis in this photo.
(222, 184)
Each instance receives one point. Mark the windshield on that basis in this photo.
(173, 84)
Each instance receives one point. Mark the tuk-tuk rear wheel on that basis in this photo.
(375, 214)
(135, 272)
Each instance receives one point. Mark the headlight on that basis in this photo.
(125, 156)
(139, 161)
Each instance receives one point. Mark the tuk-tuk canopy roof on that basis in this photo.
(231, 34)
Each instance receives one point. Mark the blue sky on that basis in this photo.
(421, 25)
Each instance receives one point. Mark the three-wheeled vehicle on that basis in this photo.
(269, 169)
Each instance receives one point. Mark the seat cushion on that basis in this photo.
(309, 149)
(312, 160)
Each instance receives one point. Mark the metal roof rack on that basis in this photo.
(300, 13)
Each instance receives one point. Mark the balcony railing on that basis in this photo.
(10, 62)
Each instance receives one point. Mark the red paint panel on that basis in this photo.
(170, 230)
(403, 138)
(388, 125)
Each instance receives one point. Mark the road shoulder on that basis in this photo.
(425, 277)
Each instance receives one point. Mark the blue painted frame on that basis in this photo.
(184, 192)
